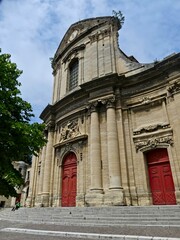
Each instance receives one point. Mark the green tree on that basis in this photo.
(19, 138)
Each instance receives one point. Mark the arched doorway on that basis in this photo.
(69, 180)
(160, 177)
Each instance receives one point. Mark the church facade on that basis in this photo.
(113, 127)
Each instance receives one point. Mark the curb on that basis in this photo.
(83, 235)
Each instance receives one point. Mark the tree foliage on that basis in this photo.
(19, 139)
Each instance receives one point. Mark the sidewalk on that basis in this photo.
(19, 230)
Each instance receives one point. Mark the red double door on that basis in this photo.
(69, 179)
(160, 176)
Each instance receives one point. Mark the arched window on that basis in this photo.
(73, 74)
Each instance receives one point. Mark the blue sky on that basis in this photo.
(31, 30)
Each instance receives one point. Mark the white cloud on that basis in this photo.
(32, 30)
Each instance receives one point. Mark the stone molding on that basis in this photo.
(151, 128)
(150, 136)
(80, 139)
(75, 146)
(96, 36)
(74, 51)
(174, 88)
(145, 100)
(150, 101)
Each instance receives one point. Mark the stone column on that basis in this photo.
(95, 151)
(95, 197)
(116, 198)
(47, 168)
(112, 145)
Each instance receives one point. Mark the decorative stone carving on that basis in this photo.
(105, 32)
(145, 100)
(151, 128)
(153, 142)
(174, 88)
(68, 147)
(92, 107)
(109, 102)
(96, 36)
(69, 131)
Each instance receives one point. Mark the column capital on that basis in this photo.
(92, 107)
(50, 126)
(111, 102)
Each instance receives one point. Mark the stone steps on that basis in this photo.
(105, 216)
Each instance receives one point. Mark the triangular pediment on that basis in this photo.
(79, 29)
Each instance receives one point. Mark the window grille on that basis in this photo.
(73, 74)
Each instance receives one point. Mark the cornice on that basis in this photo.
(76, 139)
(151, 128)
(151, 77)
(174, 88)
(145, 101)
(129, 87)
(47, 114)
(101, 82)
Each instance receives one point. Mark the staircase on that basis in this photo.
(96, 216)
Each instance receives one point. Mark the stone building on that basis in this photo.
(113, 127)
(22, 192)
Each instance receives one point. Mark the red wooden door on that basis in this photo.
(69, 179)
(161, 181)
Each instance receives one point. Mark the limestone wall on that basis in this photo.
(119, 111)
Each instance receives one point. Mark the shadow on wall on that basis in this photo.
(2, 204)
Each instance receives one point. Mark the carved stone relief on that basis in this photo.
(153, 142)
(150, 137)
(69, 131)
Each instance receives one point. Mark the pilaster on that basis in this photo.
(47, 168)
(30, 199)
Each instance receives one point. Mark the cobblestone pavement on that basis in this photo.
(155, 231)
